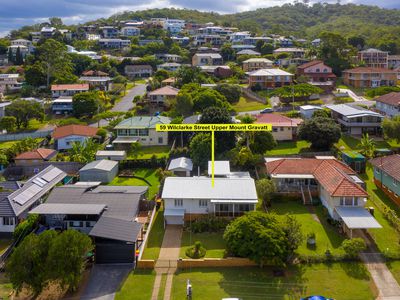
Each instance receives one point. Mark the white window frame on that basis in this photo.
(203, 203)
(178, 202)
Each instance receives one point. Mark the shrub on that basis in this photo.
(292, 114)
(26, 227)
(383, 90)
(208, 224)
(353, 247)
(196, 251)
(102, 133)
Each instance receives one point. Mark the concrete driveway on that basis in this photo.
(126, 102)
(105, 280)
(356, 98)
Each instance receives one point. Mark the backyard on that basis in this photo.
(148, 152)
(341, 281)
(212, 242)
(347, 142)
(147, 174)
(152, 248)
(287, 148)
(394, 267)
(327, 236)
(246, 104)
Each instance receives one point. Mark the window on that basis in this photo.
(75, 224)
(89, 224)
(8, 221)
(395, 182)
(178, 202)
(348, 201)
(203, 203)
(160, 140)
(281, 128)
(274, 129)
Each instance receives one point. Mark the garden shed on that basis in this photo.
(355, 160)
(100, 170)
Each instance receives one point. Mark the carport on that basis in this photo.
(356, 218)
(174, 216)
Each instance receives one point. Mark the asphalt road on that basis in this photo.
(125, 104)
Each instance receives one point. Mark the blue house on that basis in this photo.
(387, 175)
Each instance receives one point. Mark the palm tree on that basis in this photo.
(367, 146)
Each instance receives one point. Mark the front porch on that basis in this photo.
(221, 209)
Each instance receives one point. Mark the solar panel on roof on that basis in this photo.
(52, 174)
(27, 194)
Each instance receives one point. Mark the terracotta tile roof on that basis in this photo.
(81, 130)
(41, 153)
(389, 164)
(310, 64)
(391, 99)
(63, 87)
(277, 120)
(369, 70)
(330, 173)
(169, 80)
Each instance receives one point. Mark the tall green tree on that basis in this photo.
(56, 62)
(83, 152)
(184, 104)
(200, 149)
(86, 104)
(23, 111)
(321, 132)
(265, 188)
(367, 146)
(391, 128)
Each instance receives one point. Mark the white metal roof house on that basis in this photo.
(111, 155)
(14, 207)
(181, 166)
(222, 168)
(186, 198)
(103, 171)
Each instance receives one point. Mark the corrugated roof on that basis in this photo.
(68, 209)
(352, 111)
(104, 165)
(70, 87)
(391, 99)
(270, 72)
(182, 163)
(201, 188)
(221, 167)
(357, 217)
(116, 229)
(389, 164)
(143, 122)
(165, 91)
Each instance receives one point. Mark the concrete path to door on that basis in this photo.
(105, 280)
(167, 260)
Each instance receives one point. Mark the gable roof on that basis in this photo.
(116, 229)
(277, 120)
(258, 60)
(181, 163)
(270, 72)
(165, 91)
(392, 98)
(41, 153)
(80, 130)
(143, 122)
(389, 164)
(104, 165)
(70, 87)
(94, 73)
(310, 64)
(333, 175)
(352, 111)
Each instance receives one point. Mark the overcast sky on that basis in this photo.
(16, 13)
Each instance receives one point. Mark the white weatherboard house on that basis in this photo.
(187, 198)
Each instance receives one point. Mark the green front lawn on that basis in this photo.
(341, 281)
(286, 148)
(327, 236)
(148, 174)
(137, 286)
(148, 152)
(394, 267)
(212, 242)
(154, 242)
(8, 144)
(246, 104)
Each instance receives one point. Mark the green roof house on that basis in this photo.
(141, 129)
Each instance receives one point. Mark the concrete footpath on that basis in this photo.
(167, 260)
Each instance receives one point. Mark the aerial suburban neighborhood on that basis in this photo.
(101, 197)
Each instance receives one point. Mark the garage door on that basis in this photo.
(174, 220)
(115, 253)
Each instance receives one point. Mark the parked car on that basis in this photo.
(267, 110)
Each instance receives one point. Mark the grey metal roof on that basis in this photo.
(104, 165)
(34, 189)
(116, 229)
(181, 163)
(122, 201)
(201, 188)
(357, 217)
(111, 153)
(68, 209)
(352, 111)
